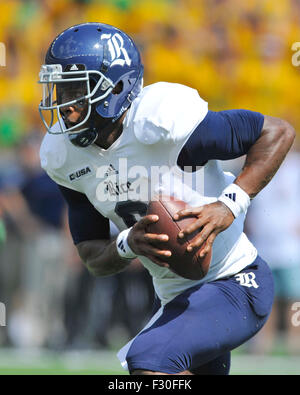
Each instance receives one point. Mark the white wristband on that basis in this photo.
(236, 199)
(122, 245)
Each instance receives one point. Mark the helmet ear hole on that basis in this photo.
(118, 88)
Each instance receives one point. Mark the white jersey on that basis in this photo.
(142, 163)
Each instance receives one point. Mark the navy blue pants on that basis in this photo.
(198, 329)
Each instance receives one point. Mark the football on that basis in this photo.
(186, 264)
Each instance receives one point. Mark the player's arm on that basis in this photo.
(101, 257)
(107, 260)
(90, 233)
(91, 236)
(227, 135)
(266, 155)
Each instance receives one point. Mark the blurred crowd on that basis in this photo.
(237, 54)
(273, 225)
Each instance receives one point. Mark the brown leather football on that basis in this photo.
(185, 264)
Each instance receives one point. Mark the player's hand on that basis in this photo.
(212, 219)
(147, 244)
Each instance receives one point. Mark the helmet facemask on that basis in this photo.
(75, 87)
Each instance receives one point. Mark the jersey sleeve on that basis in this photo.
(85, 222)
(221, 135)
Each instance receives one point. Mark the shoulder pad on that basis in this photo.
(53, 152)
(166, 112)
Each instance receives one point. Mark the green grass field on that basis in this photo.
(41, 362)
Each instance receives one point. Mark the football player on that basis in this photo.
(106, 135)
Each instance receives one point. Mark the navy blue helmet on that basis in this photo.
(92, 59)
